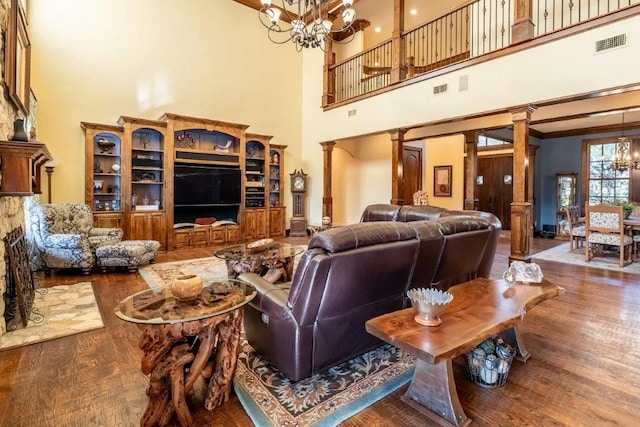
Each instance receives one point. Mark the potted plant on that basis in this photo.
(627, 207)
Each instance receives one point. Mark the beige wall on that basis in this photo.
(446, 151)
(97, 60)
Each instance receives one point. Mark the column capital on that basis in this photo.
(521, 114)
(327, 145)
(397, 134)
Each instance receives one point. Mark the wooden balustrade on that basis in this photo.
(475, 28)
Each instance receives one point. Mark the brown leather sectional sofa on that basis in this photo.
(353, 273)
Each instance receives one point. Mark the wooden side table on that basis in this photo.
(480, 309)
(185, 340)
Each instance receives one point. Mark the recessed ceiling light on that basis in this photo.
(413, 12)
(377, 29)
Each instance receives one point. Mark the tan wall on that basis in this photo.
(97, 60)
(446, 151)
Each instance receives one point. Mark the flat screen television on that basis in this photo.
(207, 185)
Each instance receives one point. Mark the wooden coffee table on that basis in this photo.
(275, 264)
(480, 309)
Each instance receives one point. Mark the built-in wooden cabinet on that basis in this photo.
(104, 150)
(276, 191)
(277, 221)
(256, 174)
(148, 225)
(145, 176)
(255, 223)
(108, 220)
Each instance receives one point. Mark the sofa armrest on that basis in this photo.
(63, 241)
(113, 233)
(270, 298)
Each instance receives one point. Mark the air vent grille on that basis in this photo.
(611, 43)
(439, 89)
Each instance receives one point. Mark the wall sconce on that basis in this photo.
(49, 168)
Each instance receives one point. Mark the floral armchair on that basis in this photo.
(605, 228)
(577, 231)
(65, 237)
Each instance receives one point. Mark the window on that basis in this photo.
(605, 184)
(490, 142)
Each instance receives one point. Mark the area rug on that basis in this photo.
(162, 274)
(58, 311)
(562, 254)
(324, 399)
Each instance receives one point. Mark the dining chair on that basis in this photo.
(577, 229)
(605, 227)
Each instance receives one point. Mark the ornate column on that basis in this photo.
(521, 218)
(398, 70)
(522, 28)
(471, 170)
(327, 199)
(397, 167)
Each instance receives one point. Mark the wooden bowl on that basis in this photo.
(259, 245)
(187, 287)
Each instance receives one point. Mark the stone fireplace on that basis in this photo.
(20, 165)
(11, 217)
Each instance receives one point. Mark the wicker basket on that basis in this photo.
(488, 364)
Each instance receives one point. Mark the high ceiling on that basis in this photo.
(583, 114)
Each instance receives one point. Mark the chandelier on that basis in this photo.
(622, 160)
(311, 22)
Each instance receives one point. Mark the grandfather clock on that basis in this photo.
(298, 190)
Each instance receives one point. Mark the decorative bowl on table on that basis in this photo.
(187, 287)
(259, 245)
(430, 304)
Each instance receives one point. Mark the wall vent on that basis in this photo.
(611, 43)
(440, 89)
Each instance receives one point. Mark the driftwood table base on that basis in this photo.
(176, 355)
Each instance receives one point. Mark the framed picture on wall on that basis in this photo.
(442, 181)
(18, 57)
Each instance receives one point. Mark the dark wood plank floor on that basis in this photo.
(584, 369)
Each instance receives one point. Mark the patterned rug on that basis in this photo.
(162, 274)
(324, 399)
(609, 261)
(57, 312)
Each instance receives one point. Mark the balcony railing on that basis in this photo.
(476, 28)
(553, 15)
(363, 73)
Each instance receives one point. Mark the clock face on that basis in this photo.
(298, 183)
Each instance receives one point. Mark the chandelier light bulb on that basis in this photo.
(348, 15)
(266, 3)
(297, 27)
(273, 15)
(347, 3)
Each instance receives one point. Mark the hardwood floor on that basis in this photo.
(583, 371)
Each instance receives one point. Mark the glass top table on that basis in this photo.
(161, 307)
(274, 264)
(186, 340)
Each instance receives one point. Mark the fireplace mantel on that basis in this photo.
(20, 164)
